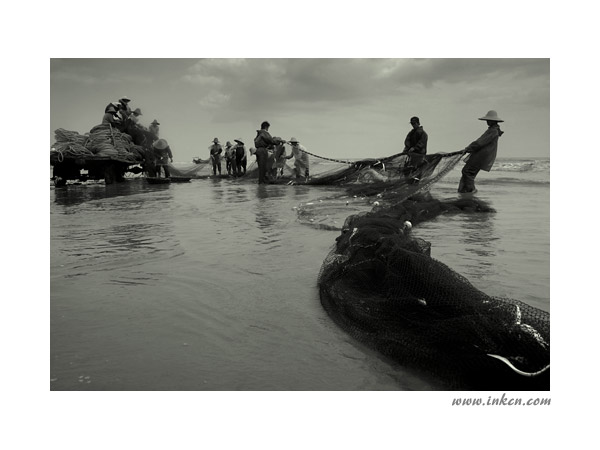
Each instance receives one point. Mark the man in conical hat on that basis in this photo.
(482, 153)
(110, 116)
(163, 154)
(241, 159)
(300, 158)
(135, 115)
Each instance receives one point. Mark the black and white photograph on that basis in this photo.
(299, 225)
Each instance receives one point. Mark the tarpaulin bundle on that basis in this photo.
(381, 285)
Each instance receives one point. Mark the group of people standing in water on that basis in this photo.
(270, 153)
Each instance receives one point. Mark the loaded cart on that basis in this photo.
(103, 153)
(90, 167)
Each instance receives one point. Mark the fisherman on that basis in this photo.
(216, 149)
(300, 158)
(280, 158)
(415, 145)
(110, 116)
(135, 115)
(140, 135)
(163, 155)
(124, 106)
(230, 158)
(154, 129)
(482, 153)
(115, 105)
(264, 143)
(241, 158)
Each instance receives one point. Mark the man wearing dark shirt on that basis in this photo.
(415, 145)
(263, 142)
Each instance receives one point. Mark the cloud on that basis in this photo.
(253, 84)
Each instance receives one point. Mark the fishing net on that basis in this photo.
(380, 284)
(200, 169)
(102, 140)
(369, 183)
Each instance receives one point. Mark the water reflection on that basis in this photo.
(265, 191)
(75, 194)
(107, 227)
(268, 211)
(479, 235)
(236, 194)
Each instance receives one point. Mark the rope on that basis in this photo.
(378, 161)
(327, 159)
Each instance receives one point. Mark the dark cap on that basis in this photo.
(264, 125)
(414, 119)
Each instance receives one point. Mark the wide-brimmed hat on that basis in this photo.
(491, 115)
(161, 144)
(294, 141)
(239, 141)
(216, 140)
(111, 108)
(137, 112)
(115, 104)
(124, 99)
(155, 122)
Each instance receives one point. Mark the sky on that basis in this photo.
(336, 107)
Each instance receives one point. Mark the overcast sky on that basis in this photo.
(341, 108)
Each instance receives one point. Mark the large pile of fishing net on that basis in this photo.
(102, 140)
(381, 285)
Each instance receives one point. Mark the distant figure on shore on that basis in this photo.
(163, 154)
(241, 159)
(216, 149)
(154, 129)
(300, 159)
(264, 143)
(415, 145)
(482, 153)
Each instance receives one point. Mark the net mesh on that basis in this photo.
(381, 285)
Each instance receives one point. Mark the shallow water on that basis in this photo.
(211, 285)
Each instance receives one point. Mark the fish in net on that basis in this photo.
(380, 284)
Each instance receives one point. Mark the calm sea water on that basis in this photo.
(211, 285)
